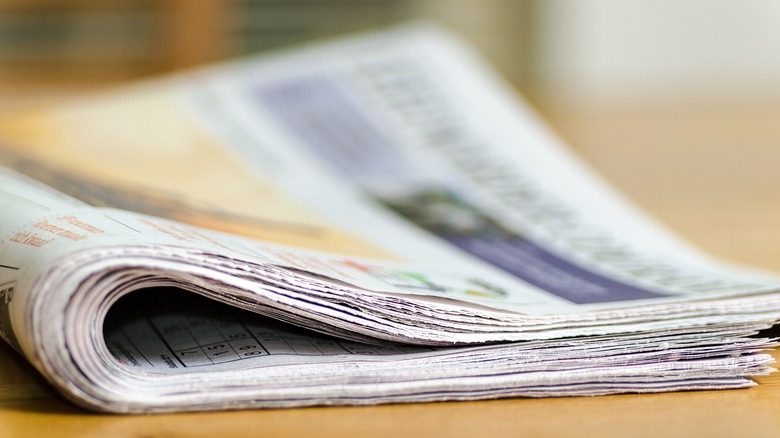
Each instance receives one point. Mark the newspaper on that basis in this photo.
(372, 220)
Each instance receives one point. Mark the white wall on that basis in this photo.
(652, 48)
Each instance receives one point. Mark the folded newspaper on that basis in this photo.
(373, 220)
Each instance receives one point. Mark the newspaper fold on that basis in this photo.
(372, 220)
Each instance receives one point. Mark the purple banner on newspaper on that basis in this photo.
(539, 267)
(331, 126)
(316, 111)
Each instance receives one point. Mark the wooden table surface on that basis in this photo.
(710, 172)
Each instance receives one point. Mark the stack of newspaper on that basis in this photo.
(373, 220)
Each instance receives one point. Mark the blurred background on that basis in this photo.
(55, 43)
(677, 102)
(585, 49)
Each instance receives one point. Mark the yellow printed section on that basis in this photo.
(141, 151)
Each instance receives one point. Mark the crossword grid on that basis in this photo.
(206, 333)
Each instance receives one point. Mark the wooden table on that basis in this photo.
(711, 172)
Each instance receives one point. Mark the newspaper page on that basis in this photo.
(376, 154)
(350, 211)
